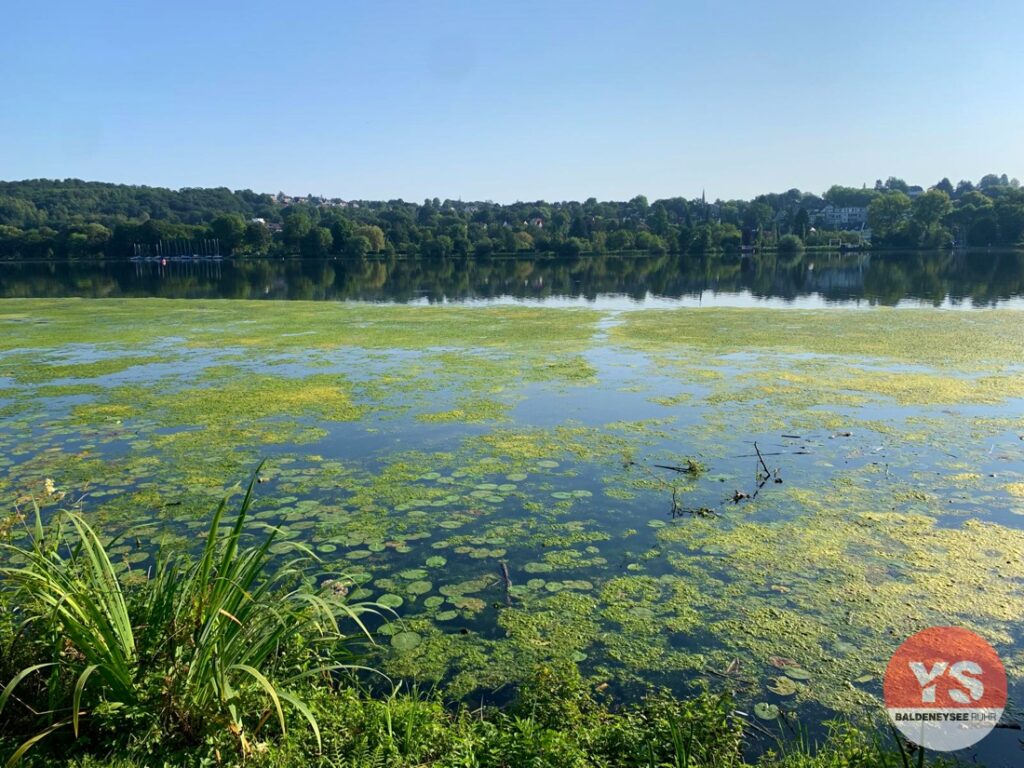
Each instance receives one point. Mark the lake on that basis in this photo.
(727, 472)
(613, 282)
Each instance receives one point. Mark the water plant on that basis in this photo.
(197, 649)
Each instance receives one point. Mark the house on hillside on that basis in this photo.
(842, 217)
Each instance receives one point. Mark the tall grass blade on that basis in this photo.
(76, 700)
(260, 678)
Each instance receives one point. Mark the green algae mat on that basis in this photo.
(769, 500)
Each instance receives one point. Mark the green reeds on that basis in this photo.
(201, 646)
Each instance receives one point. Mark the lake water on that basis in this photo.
(511, 412)
(610, 282)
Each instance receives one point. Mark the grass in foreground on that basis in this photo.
(197, 651)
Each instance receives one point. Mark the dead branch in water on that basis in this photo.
(761, 459)
(508, 582)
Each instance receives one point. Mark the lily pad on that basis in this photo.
(765, 711)
(797, 673)
(419, 587)
(469, 604)
(390, 600)
(436, 561)
(406, 641)
(783, 686)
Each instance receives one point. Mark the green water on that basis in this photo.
(416, 449)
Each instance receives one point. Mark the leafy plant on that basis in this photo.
(199, 649)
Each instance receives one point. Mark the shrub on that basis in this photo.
(790, 244)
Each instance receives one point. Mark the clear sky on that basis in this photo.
(512, 100)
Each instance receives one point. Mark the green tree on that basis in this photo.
(229, 228)
(650, 242)
(620, 240)
(928, 212)
(317, 242)
(790, 244)
(357, 247)
(16, 212)
(888, 215)
(801, 222)
(844, 197)
(296, 227)
(659, 219)
(758, 216)
(523, 241)
(374, 236)
(257, 238)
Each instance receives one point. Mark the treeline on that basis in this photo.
(72, 218)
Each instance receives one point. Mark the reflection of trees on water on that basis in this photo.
(878, 278)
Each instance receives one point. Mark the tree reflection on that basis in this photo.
(984, 278)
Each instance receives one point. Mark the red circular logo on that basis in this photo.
(945, 688)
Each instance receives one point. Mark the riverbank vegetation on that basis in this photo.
(240, 658)
(72, 218)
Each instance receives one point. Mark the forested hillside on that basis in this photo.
(73, 218)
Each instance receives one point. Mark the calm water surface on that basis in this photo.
(810, 280)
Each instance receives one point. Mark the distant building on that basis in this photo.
(842, 217)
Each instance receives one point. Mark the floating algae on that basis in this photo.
(829, 570)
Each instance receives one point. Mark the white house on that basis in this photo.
(842, 217)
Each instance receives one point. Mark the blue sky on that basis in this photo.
(512, 100)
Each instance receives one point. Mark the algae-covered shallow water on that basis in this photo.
(416, 449)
